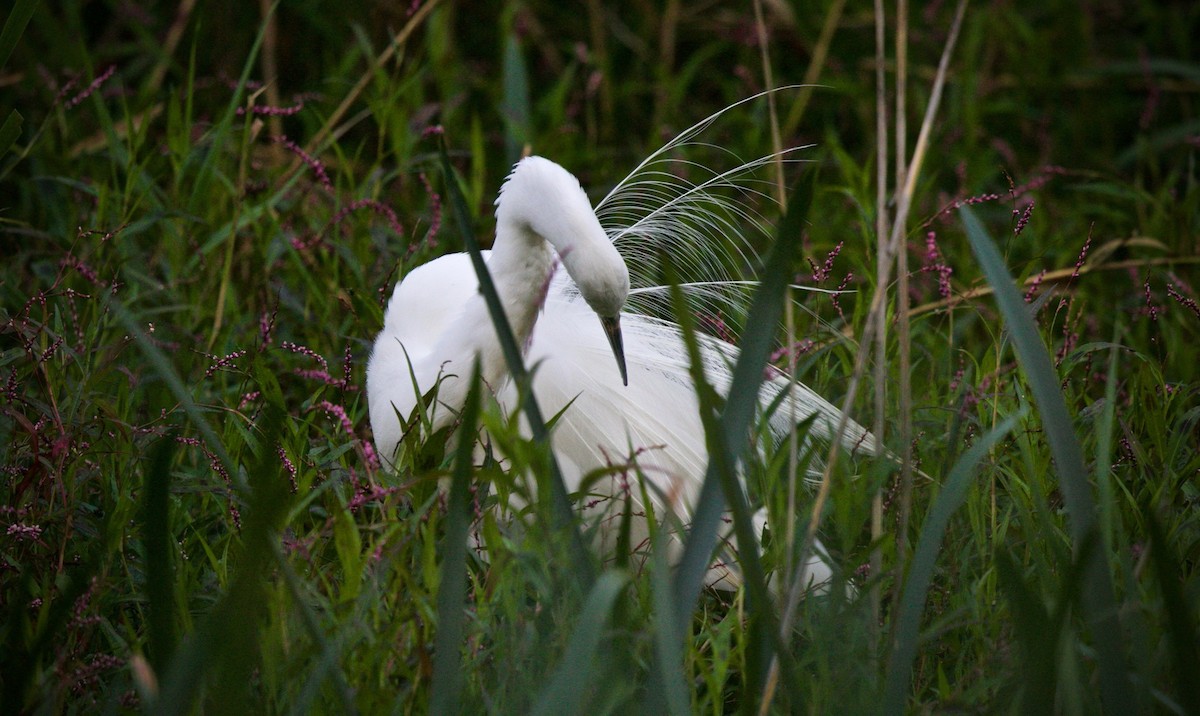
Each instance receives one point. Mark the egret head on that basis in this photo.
(547, 201)
(603, 280)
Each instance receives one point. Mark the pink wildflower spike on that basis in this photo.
(302, 350)
(1023, 219)
(289, 466)
(717, 326)
(435, 213)
(339, 413)
(91, 89)
(74, 262)
(820, 273)
(1033, 286)
(268, 111)
(313, 163)
(347, 359)
(1153, 310)
(798, 348)
(266, 324)
(378, 207)
(1087, 244)
(23, 531)
(841, 287)
(223, 362)
(933, 263)
(1185, 301)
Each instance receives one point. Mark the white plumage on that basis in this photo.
(436, 323)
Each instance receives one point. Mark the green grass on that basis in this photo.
(193, 518)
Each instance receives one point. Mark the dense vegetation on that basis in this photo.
(202, 213)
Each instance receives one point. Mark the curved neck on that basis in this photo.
(521, 265)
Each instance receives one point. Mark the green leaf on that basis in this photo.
(514, 107)
(14, 27)
(157, 543)
(349, 551)
(10, 131)
(577, 671)
(226, 643)
(1099, 602)
(452, 591)
(920, 574)
(727, 438)
(1185, 657)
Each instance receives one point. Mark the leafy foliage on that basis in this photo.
(203, 212)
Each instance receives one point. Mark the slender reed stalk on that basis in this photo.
(881, 230)
(902, 323)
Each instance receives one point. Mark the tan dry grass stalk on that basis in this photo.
(875, 319)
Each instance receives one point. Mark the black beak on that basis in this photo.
(612, 329)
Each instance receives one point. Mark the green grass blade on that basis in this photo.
(920, 574)
(739, 411)
(668, 685)
(452, 591)
(577, 671)
(515, 108)
(10, 131)
(14, 27)
(726, 440)
(327, 663)
(1104, 432)
(1035, 633)
(560, 502)
(1099, 602)
(225, 645)
(1181, 634)
(157, 543)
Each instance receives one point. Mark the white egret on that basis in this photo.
(437, 323)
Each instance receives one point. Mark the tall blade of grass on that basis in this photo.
(514, 107)
(328, 658)
(10, 131)
(742, 401)
(920, 575)
(1104, 432)
(398, 43)
(1181, 633)
(560, 502)
(727, 437)
(14, 27)
(722, 474)
(1037, 633)
(156, 541)
(882, 269)
(226, 642)
(577, 670)
(208, 167)
(1098, 599)
(667, 683)
(452, 591)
